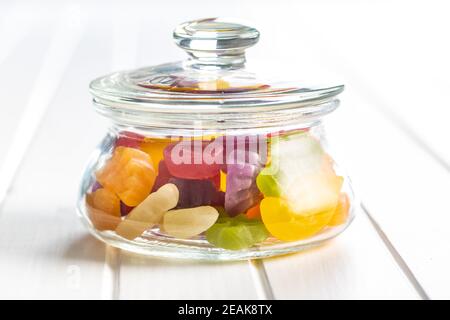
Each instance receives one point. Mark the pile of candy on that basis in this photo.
(235, 197)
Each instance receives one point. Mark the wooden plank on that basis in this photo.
(142, 278)
(19, 32)
(356, 265)
(46, 252)
(404, 189)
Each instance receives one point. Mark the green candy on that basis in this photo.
(268, 184)
(293, 157)
(236, 233)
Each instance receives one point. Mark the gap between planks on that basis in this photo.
(396, 255)
(261, 280)
(111, 274)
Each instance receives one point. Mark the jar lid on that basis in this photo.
(212, 85)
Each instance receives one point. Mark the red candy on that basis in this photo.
(193, 193)
(194, 159)
(129, 139)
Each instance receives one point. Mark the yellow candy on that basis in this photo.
(154, 148)
(223, 181)
(340, 215)
(149, 212)
(286, 225)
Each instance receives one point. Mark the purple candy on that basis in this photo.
(124, 209)
(195, 193)
(96, 186)
(242, 192)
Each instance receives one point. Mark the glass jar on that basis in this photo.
(206, 159)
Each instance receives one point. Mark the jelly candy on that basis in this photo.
(285, 224)
(104, 209)
(149, 212)
(129, 173)
(236, 233)
(253, 213)
(194, 193)
(155, 148)
(301, 173)
(96, 186)
(194, 159)
(129, 139)
(242, 149)
(187, 223)
(242, 192)
(223, 181)
(124, 209)
(268, 184)
(163, 176)
(340, 215)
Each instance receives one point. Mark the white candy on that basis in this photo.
(149, 212)
(187, 223)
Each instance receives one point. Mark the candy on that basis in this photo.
(194, 193)
(129, 174)
(301, 173)
(236, 233)
(242, 149)
(129, 139)
(267, 183)
(187, 223)
(242, 192)
(155, 148)
(162, 177)
(104, 209)
(124, 209)
(223, 181)
(96, 186)
(287, 225)
(194, 159)
(253, 213)
(340, 215)
(149, 212)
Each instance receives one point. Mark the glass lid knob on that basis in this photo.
(215, 41)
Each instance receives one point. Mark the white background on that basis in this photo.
(391, 133)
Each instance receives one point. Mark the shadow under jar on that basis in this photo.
(207, 160)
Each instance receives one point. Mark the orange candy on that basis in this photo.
(129, 174)
(104, 209)
(253, 212)
(340, 215)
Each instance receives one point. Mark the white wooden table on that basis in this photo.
(391, 133)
